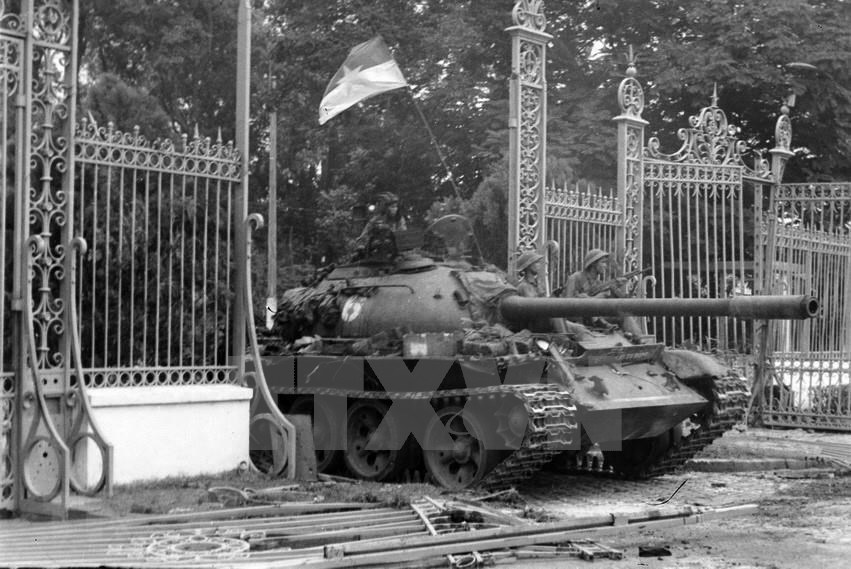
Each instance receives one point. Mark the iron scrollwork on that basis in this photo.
(710, 139)
(631, 103)
(47, 215)
(529, 14)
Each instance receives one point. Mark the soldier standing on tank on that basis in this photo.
(591, 282)
(377, 240)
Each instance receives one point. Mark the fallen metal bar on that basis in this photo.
(46, 540)
(509, 537)
(284, 521)
(301, 530)
(404, 550)
(302, 535)
(294, 522)
(348, 534)
(569, 525)
(172, 520)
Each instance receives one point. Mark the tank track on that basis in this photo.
(551, 428)
(730, 396)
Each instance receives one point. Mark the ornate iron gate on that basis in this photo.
(47, 422)
(687, 214)
(683, 215)
(159, 229)
(806, 373)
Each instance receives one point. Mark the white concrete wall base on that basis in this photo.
(162, 431)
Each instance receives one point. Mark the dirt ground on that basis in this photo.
(803, 521)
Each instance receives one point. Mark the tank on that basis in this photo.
(430, 366)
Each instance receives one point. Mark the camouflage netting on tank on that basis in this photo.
(305, 311)
(494, 340)
(485, 290)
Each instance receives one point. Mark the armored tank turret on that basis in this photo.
(440, 367)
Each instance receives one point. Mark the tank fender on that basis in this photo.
(686, 364)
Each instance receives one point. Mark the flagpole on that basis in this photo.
(434, 142)
(442, 161)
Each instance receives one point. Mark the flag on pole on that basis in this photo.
(368, 70)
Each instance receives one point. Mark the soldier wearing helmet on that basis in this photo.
(587, 284)
(528, 266)
(376, 241)
(582, 283)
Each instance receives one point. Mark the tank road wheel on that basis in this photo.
(469, 459)
(380, 461)
(326, 460)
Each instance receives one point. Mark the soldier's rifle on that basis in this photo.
(611, 284)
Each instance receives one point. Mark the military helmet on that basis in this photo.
(593, 256)
(387, 198)
(527, 259)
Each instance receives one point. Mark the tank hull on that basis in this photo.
(441, 369)
(611, 405)
(632, 402)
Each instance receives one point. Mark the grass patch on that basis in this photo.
(190, 493)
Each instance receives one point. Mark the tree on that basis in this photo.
(110, 99)
(456, 56)
(686, 47)
(183, 53)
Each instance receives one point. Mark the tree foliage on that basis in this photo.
(456, 56)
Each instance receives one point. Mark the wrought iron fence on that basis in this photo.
(580, 220)
(699, 236)
(154, 289)
(807, 243)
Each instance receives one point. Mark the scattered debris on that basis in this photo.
(654, 551)
(839, 454)
(335, 479)
(812, 473)
(328, 535)
(589, 551)
(507, 495)
(674, 493)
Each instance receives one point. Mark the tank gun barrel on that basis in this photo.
(776, 307)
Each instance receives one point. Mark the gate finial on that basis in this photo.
(715, 94)
(529, 14)
(631, 71)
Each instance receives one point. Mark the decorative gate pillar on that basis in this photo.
(52, 426)
(630, 172)
(527, 124)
